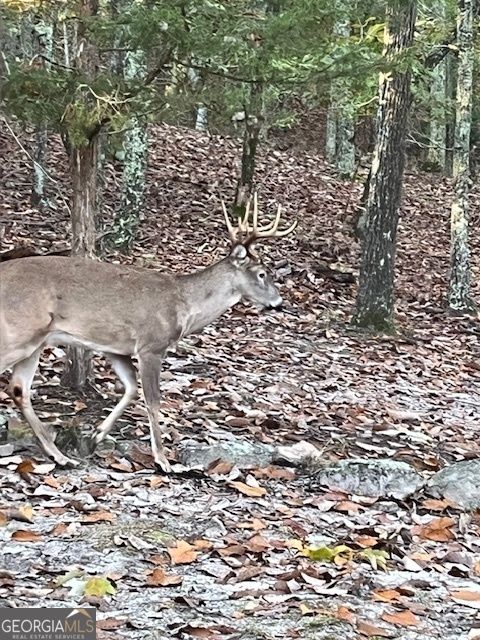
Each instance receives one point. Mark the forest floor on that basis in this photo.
(228, 551)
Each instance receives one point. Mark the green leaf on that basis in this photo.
(376, 557)
(326, 554)
(98, 586)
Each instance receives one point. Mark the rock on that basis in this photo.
(298, 453)
(241, 453)
(370, 477)
(460, 483)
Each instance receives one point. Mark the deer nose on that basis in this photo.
(275, 306)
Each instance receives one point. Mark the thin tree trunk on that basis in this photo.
(201, 121)
(339, 144)
(38, 40)
(438, 130)
(135, 145)
(251, 136)
(451, 92)
(83, 172)
(459, 299)
(375, 299)
(83, 175)
(37, 197)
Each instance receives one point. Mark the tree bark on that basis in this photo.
(251, 136)
(375, 299)
(459, 299)
(135, 144)
(438, 128)
(83, 173)
(339, 144)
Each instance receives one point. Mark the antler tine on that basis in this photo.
(270, 230)
(285, 232)
(232, 232)
(243, 222)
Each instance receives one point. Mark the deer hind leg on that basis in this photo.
(123, 367)
(150, 375)
(22, 378)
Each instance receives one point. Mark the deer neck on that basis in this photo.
(208, 294)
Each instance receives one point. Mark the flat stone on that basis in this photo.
(459, 482)
(241, 453)
(370, 477)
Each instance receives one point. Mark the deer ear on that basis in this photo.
(239, 255)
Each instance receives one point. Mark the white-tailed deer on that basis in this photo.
(121, 311)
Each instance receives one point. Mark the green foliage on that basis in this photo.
(291, 46)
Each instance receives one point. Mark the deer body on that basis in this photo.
(120, 311)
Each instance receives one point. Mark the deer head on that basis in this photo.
(256, 284)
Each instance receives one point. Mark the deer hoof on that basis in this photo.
(63, 461)
(163, 464)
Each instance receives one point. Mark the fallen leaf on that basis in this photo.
(23, 535)
(158, 578)
(99, 516)
(255, 492)
(99, 587)
(467, 597)
(437, 529)
(257, 544)
(402, 618)
(368, 629)
(182, 553)
(386, 595)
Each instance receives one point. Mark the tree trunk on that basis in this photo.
(375, 299)
(438, 131)
(451, 92)
(339, 146)
(83, 174)
(459, 299)
(251, 136)
(37, 197)
(135, 145)
(201, 121)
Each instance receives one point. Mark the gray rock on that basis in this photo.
(371, 477)
(241, 453)
(460, 483)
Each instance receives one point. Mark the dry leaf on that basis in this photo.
(403, 618)
(158, 578)
(385, 595)
(22, 535)
(255, 492)
(257, 544)
(368, 629)
(99, 516)
(182, 553)
(437, 529)
(467, 597)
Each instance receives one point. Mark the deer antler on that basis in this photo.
(254, 233)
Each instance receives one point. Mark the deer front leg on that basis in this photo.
(22, 377)
(150, 365)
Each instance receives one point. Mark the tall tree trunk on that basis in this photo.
(459, 299)
(437, 125)
(375, 299)
(135, 144)
(43, 45)
(339, 144)
(83, 174)
(451, 93)
(251, 136)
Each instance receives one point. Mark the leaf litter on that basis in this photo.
(251, 548)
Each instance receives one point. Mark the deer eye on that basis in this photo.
(262, 275)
